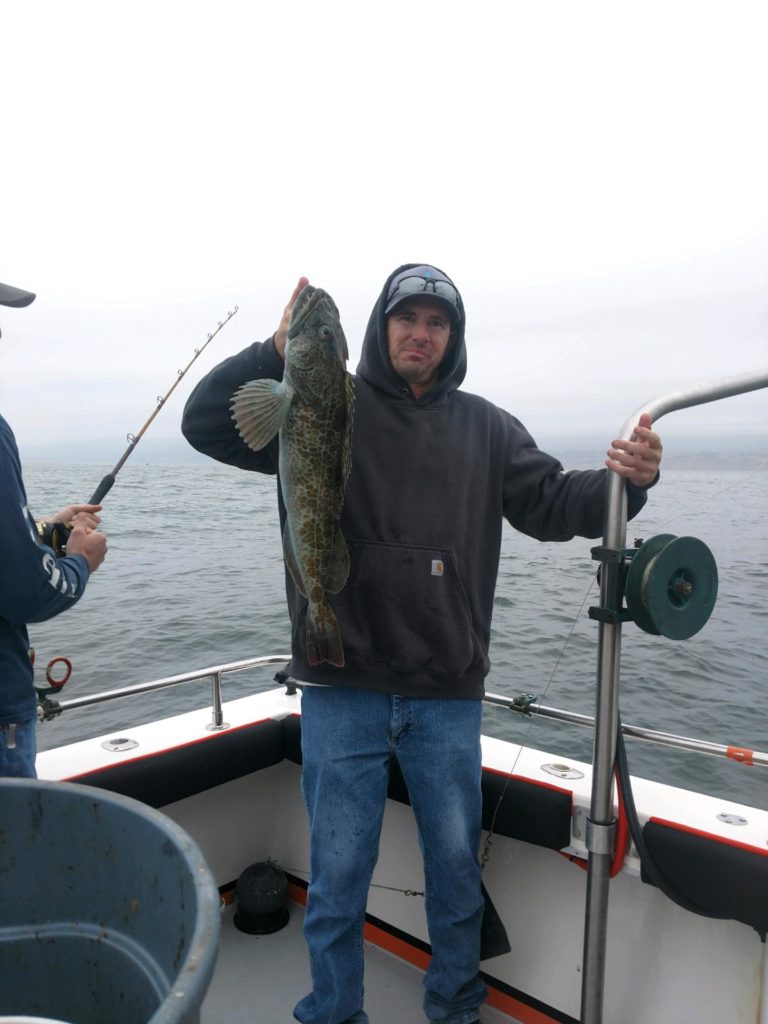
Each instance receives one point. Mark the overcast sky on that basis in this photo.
(594, 176)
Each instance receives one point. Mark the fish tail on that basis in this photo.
(323, 636)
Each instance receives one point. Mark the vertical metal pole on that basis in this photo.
(217, 722)
(600, 823)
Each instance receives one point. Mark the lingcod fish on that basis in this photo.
(311, 412)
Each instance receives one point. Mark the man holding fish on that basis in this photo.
(392, 494)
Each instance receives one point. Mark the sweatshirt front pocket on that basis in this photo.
(404, 608)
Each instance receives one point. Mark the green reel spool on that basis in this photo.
(671, 586)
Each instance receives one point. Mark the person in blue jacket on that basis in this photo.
(36, 583)
(435, 471)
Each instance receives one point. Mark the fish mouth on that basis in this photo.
(309, 298)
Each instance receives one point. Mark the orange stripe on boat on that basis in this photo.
(525, 778)
(514, 1008)
(710, 835)
(420, 958)
(148, 755)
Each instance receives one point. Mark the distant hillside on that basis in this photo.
(694, 460)
(695, 453)
(163, 451)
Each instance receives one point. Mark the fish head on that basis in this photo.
(315, 331)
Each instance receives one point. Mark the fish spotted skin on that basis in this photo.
(311, 410)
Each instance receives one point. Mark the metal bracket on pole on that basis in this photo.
(601, 838)
(614, 565)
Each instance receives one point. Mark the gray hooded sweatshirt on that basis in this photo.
(431, 481)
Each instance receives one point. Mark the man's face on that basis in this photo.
(418, 335)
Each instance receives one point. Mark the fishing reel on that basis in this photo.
(54, 535)
(669, 582)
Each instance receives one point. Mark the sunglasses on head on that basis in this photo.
(424, 286)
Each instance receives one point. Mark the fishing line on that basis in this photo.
(489, 839)
(133, 439)
(372, 885)
(678, 515)
(56, 534)
(760, 468)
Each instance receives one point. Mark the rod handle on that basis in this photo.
(104, 487)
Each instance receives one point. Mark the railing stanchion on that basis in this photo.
(217, 721)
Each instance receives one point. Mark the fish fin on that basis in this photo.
(258, 409)
(292, 562)
(338, 568)
(323, 636)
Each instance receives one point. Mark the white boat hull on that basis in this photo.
(237, 792)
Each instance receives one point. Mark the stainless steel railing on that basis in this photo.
(732, 752)
(49, 709)
(522, 707)
(601, 818)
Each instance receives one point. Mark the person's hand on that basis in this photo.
(281, 334)
(83, 515)
(89, 543)
(637, 460)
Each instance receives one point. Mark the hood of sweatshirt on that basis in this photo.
(375, 366)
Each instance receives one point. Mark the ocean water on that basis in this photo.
(194, 577)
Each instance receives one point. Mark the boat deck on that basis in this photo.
(260, 978)
(237, 794)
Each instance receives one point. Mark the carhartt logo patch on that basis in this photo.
(438, 567)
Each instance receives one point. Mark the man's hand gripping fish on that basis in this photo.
(311, 408)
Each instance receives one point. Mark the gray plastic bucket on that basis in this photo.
(30, 1020)
(108, 912)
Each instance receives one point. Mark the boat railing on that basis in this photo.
(741, 755)
(49, 708)
(523, 704)
(610, 617)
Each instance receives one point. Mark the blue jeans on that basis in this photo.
(18, 759)
(348, 738)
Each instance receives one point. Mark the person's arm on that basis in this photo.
(35, 585)
(207, 420)
(545, 502)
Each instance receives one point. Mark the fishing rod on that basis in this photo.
(56, 534)
(133, 439)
